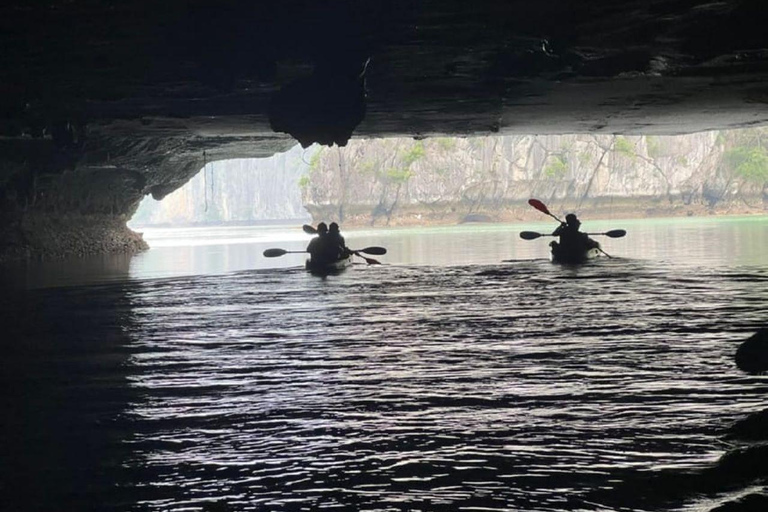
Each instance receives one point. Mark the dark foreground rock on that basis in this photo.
(752, 355)
(755, 502)
(738, 469)
(742, 467)
(752, 428)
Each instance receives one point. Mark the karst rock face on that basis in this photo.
(104, 102)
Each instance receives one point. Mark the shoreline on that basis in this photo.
(520, 211)
(413, 222)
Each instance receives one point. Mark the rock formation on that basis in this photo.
(752, 354)
(235, 191)
(405, 181)
(102, 103)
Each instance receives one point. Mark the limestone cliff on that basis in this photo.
(231, 191)
(402, 181)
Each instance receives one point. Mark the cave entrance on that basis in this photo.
(234, 192)
(463, 195)
(225, 217)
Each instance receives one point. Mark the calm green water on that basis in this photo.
(708, 241)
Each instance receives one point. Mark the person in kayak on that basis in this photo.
(572, 241)
(318, 246)
(337, 247)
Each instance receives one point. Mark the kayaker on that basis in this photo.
(568, 229)
(337, 247)
(318, 246)
(572, 241)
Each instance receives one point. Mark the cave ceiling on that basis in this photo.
(324, 71)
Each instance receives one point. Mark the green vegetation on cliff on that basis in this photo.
(747, 157)
(446, 180)
(749, 163)
(449, 179)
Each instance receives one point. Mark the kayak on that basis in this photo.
(573, 257)
(329, 267)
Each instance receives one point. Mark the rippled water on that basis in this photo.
(505, 386)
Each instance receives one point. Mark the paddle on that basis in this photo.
(370, 250)
(309, 229)
(542, 208)
(369, 261)
(274, 253)
(602, 251)
(378, 251)
(532, 235)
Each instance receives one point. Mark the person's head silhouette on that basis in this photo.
(333, 228)
(572, 220)
(322, 228)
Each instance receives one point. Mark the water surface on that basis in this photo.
(465, 384)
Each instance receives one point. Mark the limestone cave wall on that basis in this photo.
(73, 197)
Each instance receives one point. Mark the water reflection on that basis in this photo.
(523, 386)
(66, 272)
(390, 388)
(736, 241)
(726, 241)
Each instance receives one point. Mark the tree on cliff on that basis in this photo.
(393, 179)
(746, 162)
(445, 178)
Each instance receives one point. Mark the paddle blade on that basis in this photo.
(274, 253)
(530, 235)
(309, 229)
(378, 251)
(369, 261)
(616, 233)
(539, 206)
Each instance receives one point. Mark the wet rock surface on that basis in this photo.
(736, 470)
(751, 428)
(752, 355)
(755, 502)
(129, 96)
(738, 479)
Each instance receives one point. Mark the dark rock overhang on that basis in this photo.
(438, 66)
(104, 102)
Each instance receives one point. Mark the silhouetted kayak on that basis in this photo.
(328, 267)
(570, 257)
